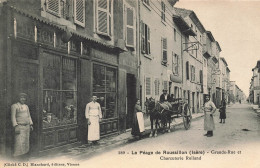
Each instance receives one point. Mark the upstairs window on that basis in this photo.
(67, 9)
(146, 44)
(53, 7)
(192, 73)
(187, 70)
(157, 87)
(175, 64)
(79, 12)
(104, 17)
(129, 25)
(163, 11)
(164, 50)
(148, 86)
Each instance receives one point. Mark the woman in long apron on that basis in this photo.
(22, 123)
(93, 115)
(209, 110)
(138, 121)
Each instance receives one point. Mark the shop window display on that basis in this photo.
(59, 91)
(104, 87)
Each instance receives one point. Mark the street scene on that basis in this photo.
(133, 83)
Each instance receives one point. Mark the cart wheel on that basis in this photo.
(186, 116)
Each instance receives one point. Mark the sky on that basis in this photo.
(235, 24)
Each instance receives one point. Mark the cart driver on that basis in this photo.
(164, 97)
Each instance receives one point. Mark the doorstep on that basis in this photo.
(83, 151)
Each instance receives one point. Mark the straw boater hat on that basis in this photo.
(22, 95)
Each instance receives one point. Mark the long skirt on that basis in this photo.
(222, 115)
(209, 124)
(93, 128)
(21, 140)
(138, 124)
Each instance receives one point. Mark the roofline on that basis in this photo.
(218, 46)
(200, 24)
(223, 59)
(210, 35)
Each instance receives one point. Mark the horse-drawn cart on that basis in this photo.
(165, 112)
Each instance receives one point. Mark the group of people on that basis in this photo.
(23, 125)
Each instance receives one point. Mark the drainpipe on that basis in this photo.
(139, 51)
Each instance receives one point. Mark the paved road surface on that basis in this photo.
(237, 140)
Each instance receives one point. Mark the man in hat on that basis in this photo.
(93, 115)
(22, 123)
(165, 97)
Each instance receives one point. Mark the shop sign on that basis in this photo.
(105, 56)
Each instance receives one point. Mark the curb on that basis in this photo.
(128, 140)
(86, 151)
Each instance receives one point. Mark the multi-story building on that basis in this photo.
(160, 50)
(255, 85)
(208, 63)
(216, 74)
(61, 53)
(228, 85)
(224, 78)
(192, 60)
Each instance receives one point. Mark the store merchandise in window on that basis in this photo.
(59, 91)
(104, 87)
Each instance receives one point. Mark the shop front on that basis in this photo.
(59, 78)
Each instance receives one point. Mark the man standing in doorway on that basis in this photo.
(93, 115)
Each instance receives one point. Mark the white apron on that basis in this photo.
(93, 128)
(140, 119)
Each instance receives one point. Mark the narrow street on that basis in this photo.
(237, 140)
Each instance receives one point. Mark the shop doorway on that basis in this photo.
(130, 99)
(25, 79)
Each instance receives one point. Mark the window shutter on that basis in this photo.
(148, 85)
(201, 77)
(130, 30)
(102, 17)
(187, 70)
(157, 86)
(148, 41)
(143, 37)
(164, 49)
(163, 11)
(79, 12)
(177, 64)
(53, 7)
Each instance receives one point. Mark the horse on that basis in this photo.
(158, 112)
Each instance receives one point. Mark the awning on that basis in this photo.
(176, 79)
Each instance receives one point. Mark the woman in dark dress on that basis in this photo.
(138, 121)
(222, 110)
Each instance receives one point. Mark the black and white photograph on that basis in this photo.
(129, 83)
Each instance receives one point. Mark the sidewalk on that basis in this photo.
(256, 109)
(85, 150)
